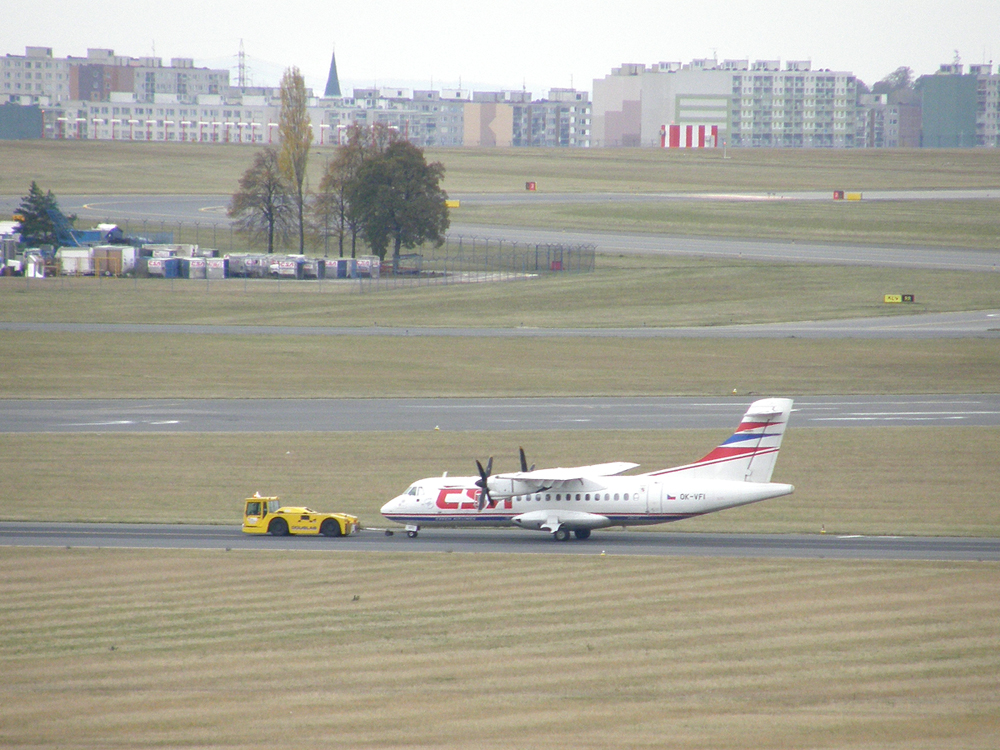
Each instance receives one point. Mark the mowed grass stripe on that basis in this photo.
(468, 650)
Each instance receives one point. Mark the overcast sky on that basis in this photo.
(513, 44)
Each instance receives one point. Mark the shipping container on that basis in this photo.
(75, 261)
(216, 268)
(167, 268)
(192, 268)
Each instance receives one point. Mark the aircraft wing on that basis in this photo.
(575, 477)
(574, 472)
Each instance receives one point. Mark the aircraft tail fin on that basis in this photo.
(750, 453)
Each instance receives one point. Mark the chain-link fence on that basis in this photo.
(468, 259)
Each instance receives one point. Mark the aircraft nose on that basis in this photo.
(389, 506)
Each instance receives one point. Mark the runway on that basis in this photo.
(153, 416)
(965, 324)
(513, 541)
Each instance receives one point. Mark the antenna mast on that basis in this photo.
(241, 76)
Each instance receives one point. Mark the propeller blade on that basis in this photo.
(483, 483)
(524, 461)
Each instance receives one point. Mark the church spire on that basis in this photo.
(332, 82)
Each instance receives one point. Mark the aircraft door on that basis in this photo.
(653, 495)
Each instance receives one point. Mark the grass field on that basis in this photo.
(119, 648)
(928, 481)
(106, 365)
(973, 223)
(122, 168)
(623, 291)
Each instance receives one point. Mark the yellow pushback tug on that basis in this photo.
(266, 515)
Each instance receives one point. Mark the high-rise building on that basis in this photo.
(36, 77)
(750, 105)
(958, 109)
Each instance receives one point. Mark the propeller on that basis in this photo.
(483, 483)
(524, 462)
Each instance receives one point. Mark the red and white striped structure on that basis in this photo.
(689, 136)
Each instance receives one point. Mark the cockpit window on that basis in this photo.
(414, 490)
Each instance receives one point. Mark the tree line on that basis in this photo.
(378, 188)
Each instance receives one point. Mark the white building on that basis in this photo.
(752, 105)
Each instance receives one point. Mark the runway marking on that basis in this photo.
(885, 419)
(99, 424)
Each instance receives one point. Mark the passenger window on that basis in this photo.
(586, 497)
(578, 498)
(625, 497)
(616, 496)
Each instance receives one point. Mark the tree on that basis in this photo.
(36, 225)
(397, 198)
(295, 130)
(263, 204)
(331, 207)
(901, 78)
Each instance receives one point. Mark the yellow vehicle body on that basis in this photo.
(266, 515)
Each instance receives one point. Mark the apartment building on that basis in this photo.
(889, 120)
(514, 118)
(36, 77)
(755, 104)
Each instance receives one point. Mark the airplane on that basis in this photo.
(577, 500)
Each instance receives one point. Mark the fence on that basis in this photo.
(466, 259)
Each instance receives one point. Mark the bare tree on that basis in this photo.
(295, 130)
(262, 207)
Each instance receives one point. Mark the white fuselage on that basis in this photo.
(595, 503)
(582, 498)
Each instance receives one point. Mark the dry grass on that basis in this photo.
(118, 648)
(121, 168)
(923, 481)
(972, 223)
(55, 365)
(622, 292)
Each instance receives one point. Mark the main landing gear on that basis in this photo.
(562, 534)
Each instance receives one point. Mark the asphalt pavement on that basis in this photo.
(471, 414)
(507, 541)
